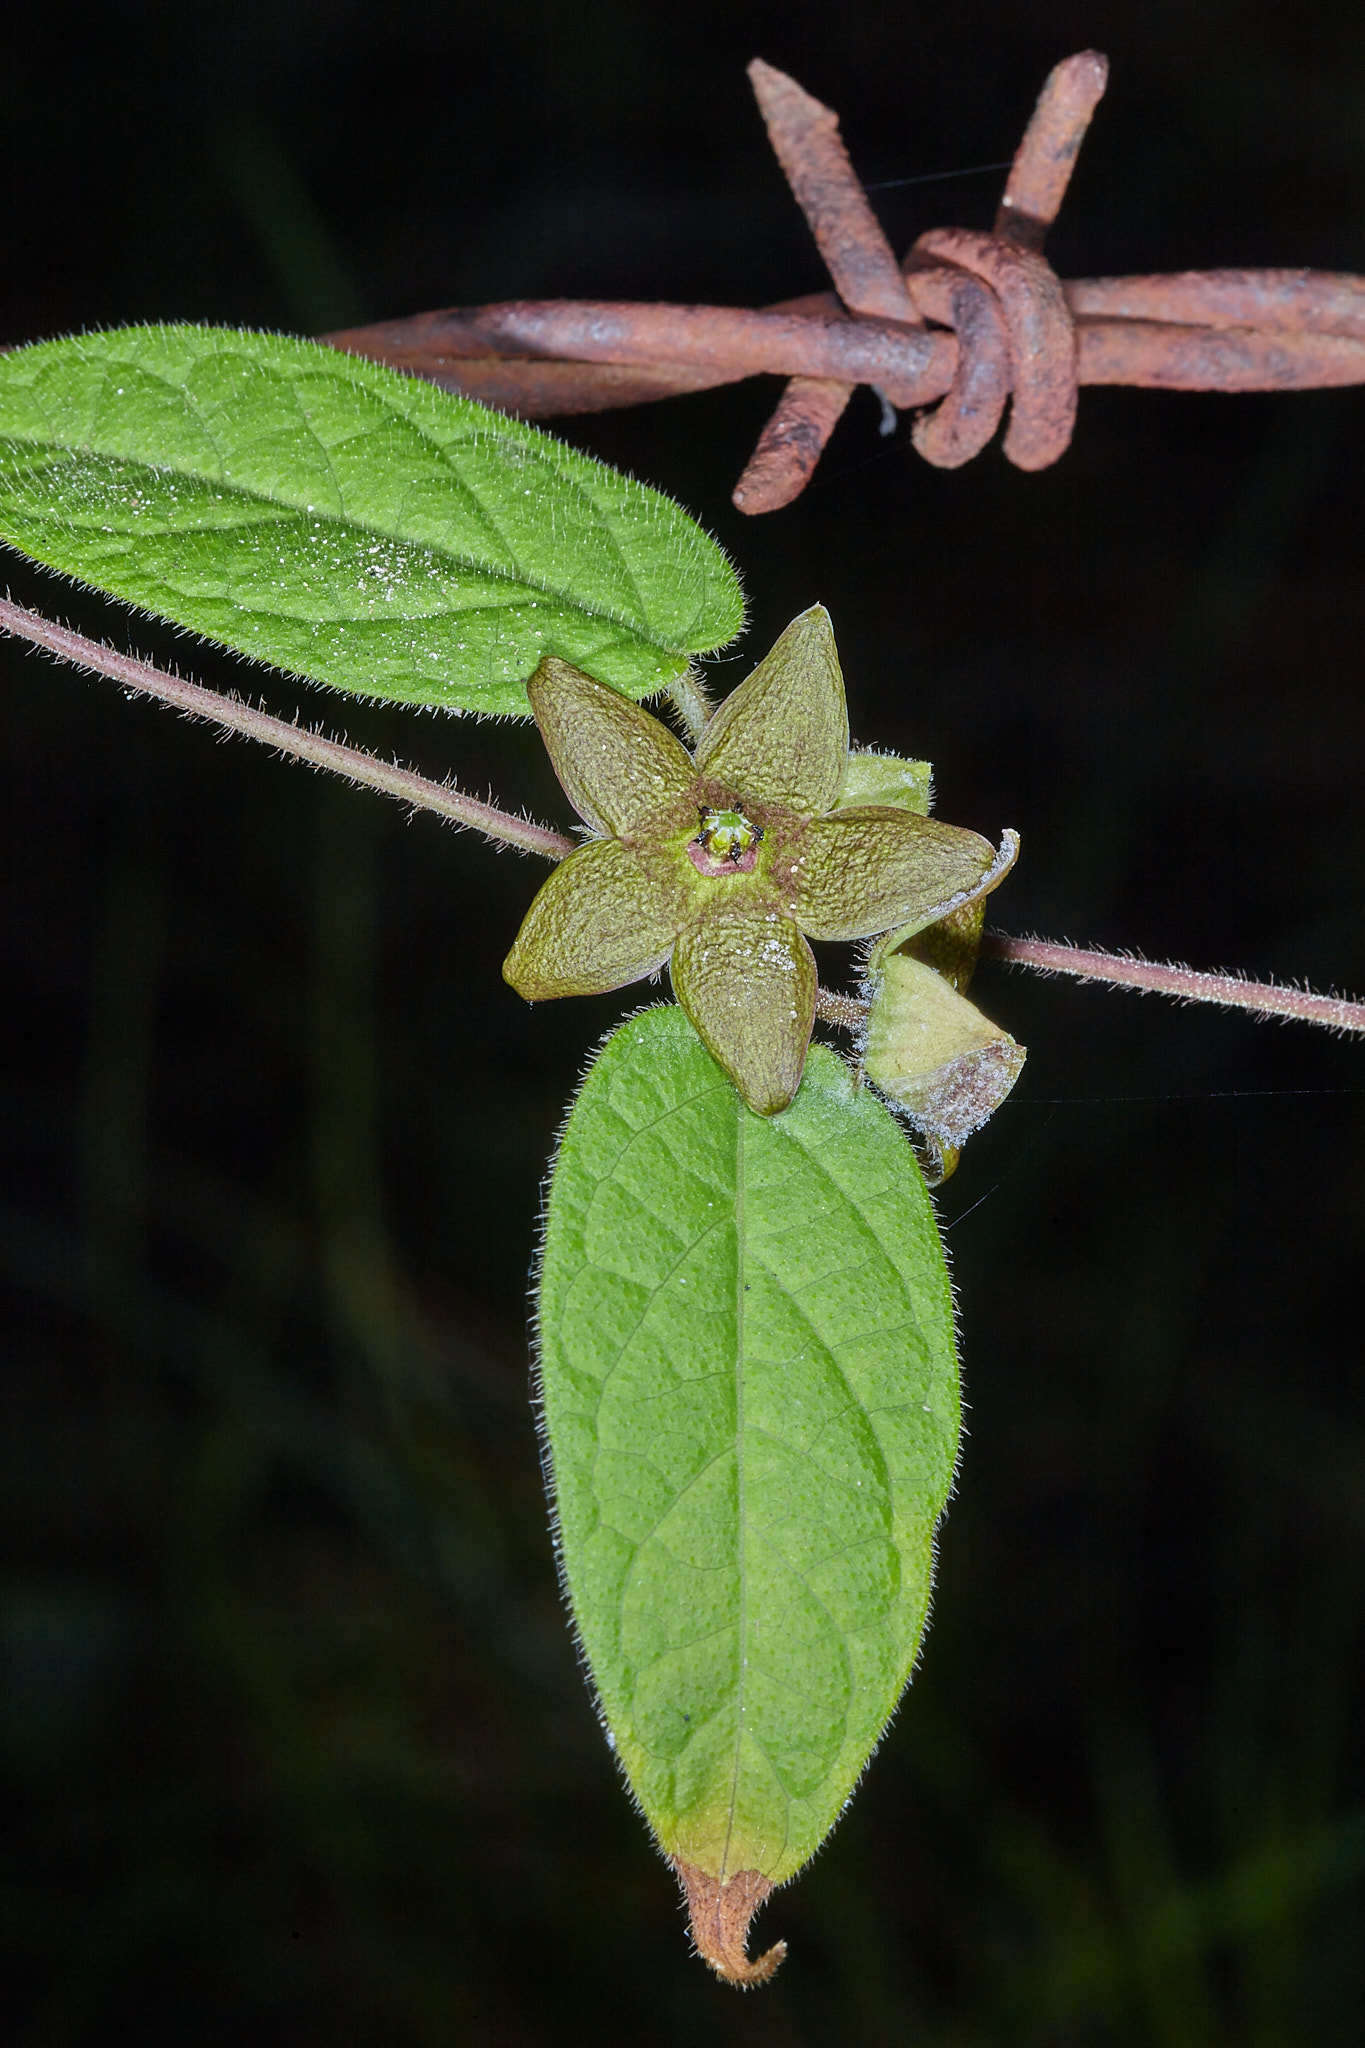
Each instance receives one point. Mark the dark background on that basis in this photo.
(299, 1748)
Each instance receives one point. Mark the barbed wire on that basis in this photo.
(969, 323)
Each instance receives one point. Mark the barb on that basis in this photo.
(805, 137)
(968, 324)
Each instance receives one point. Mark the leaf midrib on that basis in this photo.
(742, 1633)
(51, 455)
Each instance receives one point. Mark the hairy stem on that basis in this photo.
(1047, 956)
(232, 715)
(846, 1011)
(690, 701)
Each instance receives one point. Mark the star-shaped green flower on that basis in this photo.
(724, 864)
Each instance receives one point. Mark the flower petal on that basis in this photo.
(782, 738)
(598, 923)
(861, 871)
(620, 768)
(746, 979)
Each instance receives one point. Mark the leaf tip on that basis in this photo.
(720, 1910)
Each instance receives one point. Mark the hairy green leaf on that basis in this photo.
(348, 524)
(750, 1405)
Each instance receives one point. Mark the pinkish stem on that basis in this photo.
(232, 715)
(1047, 956)
(846, 1011)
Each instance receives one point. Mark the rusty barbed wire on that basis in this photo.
(968, 324)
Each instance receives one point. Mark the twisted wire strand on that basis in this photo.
(970, 324)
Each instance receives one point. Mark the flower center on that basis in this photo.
(726, 844)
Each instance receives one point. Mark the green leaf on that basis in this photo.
(348, 524)
(750, 1405)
